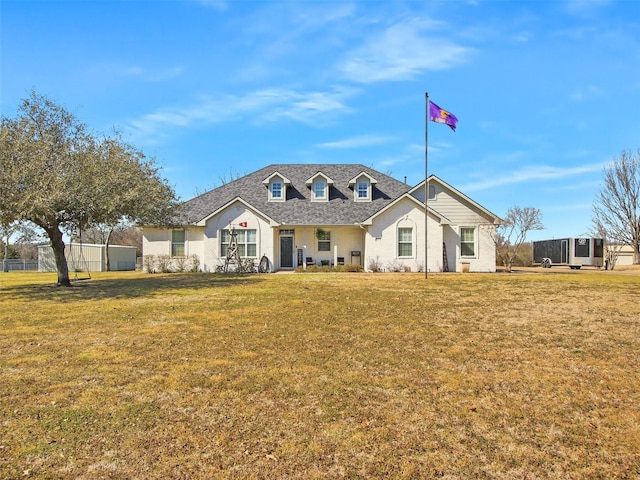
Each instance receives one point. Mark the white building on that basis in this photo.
(84, 257)
(331, 214)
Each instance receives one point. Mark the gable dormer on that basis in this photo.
(277, 187)
(319, 185)
(362, 185)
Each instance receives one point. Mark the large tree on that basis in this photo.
(616, 208)
(58, 175)
(512, 233)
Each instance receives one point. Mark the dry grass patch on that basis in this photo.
(321, 376)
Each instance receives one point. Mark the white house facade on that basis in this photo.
(298, 214)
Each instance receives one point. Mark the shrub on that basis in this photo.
(164, 263)
(394, 266)
(375, 265)
(353, 267)
(195, 263)
(149, 263)
(181, 264)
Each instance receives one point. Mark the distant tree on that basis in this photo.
(616, 208)
(511, 235)
(19, 240)
(612, 247)
(56, 174)
(28, 237)
(6, 230)
(524, 258)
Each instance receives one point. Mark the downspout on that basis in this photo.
(364, 250)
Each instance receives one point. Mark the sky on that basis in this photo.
(547, 93)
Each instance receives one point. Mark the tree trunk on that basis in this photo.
(57, 244)
(106, 250)
(5, 264)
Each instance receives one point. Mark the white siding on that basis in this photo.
(121, 257)
(204, 242)
(382, 239)
(238, 213)
(88, 258)
(455, 208)
(156, 241)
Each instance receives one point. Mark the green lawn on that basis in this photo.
(327, 375)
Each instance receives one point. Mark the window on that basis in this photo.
(319, 190)
(362, 190)
(276, 187)
(177, 243)
(582, 247)
(247, 244)
(276, 190)
(432, 192)
(362, 186)
(468, 242)
(324, 240)
(405, 242)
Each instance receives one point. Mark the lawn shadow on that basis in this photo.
(146, 286)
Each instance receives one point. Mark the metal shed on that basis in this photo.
(89, 257)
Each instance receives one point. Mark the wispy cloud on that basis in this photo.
(401, 52)
(138, 72)
(358, 142)
(532, 173)
(284, 35)
(309, 107)
(217, 4)
(267, 105)
(586, 7)
(585, 93)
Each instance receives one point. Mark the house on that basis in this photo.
(298, 214)
(85, 257)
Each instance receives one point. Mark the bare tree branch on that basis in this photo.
(616, 207)
(510, 236)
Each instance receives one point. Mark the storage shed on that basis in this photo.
(84, 257)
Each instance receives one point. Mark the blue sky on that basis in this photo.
(546, 92)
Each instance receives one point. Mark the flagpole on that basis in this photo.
(426, 185)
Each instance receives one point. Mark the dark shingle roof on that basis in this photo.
(298, 209)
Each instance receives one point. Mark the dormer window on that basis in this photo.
(362, 186)
(319, 185)
(277, 187)
(362, 190)
(276, 190)
(319, 190)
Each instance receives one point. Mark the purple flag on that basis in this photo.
(439, 115)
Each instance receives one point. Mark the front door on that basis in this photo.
(286, 252)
